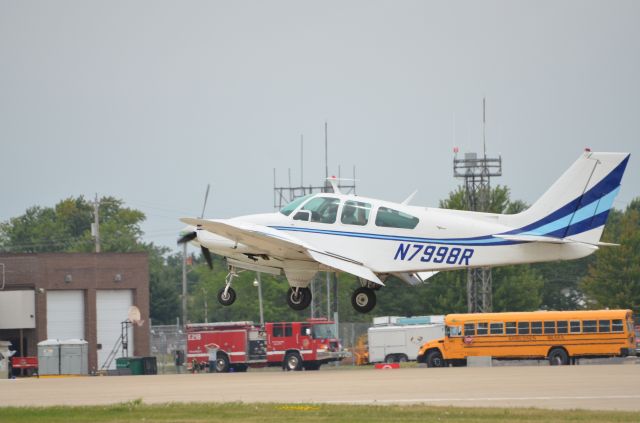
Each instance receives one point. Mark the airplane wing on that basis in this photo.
(414, 279)
(276, 243)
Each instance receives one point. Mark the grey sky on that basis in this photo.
(149, 101)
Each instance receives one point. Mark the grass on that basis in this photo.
(137, 411)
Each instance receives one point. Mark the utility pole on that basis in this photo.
(184, 283)
(95, 227)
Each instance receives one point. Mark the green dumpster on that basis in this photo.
(134, 364)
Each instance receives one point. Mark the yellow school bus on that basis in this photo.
(559, 336)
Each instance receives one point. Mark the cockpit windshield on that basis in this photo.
(286, 210)
(323, 331)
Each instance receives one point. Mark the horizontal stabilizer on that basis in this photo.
(345, 266)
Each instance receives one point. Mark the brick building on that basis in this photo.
(74, 296)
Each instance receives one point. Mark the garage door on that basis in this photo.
(65, 314)
(112, 308)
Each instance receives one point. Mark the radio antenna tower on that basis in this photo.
(477, 173)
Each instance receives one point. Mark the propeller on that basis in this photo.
(190, 236)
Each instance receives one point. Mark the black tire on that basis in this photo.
(391, 358)
(292, 361)
(300, 301)
(558, 357)
(227, 300)
(434, 359)
(402, 358)
(363, 299)
(222, 363)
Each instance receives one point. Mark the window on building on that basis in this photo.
(390, 218)
(355, 213)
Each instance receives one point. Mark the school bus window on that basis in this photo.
(536, 328)
(562, 326)
(617, 326)
(452, 331)
(469, 329)
(575, 326)
(549, 328)
(511, 328)
(589, 326)
(482, 328)
(496, 328)
(523, 328)
(604, 326)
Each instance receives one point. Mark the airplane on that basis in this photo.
(375, 239)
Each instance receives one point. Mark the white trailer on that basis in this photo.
(400, 342)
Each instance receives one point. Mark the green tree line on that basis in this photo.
(608, 278)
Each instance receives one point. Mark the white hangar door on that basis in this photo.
(65, 314)
(112, 308)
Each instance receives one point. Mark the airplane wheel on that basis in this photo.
(229, 298)
(299, 301)
(363, 300)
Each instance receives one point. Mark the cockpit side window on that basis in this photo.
(286, 210)
(355, 213)
(390, 218)
(322, 209)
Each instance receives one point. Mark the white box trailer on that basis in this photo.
(399, 343)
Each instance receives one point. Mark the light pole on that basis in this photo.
(258, 283)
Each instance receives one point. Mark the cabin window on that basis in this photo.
(496, 328)
(511, 328)
(278, 331)
(562, 326)
(549, 328)
(523, 328)
(286, 210)
(536, 328)
(322, 209)
(288, 329)
(469, 329)
(575, 326)
(482, 328)
(355, 213)
(589, 326)
(304, 328)
(604, 326)
(617, 326)
(389, 218)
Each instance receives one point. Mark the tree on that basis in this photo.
(613, 278)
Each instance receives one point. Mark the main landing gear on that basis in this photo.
(298, 298)
(227, 295)
(363, 299)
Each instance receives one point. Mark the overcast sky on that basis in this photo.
(149, 101)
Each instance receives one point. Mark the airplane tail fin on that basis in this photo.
(577, 205)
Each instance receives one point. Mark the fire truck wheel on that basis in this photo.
(227, 300)
(222, 363)
(292, 361)
(299, 301)
(363, 299)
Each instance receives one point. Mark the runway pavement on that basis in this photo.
(604, 387)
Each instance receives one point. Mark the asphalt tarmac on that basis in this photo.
(601, 387)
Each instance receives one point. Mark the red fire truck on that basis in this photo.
(239, 345)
